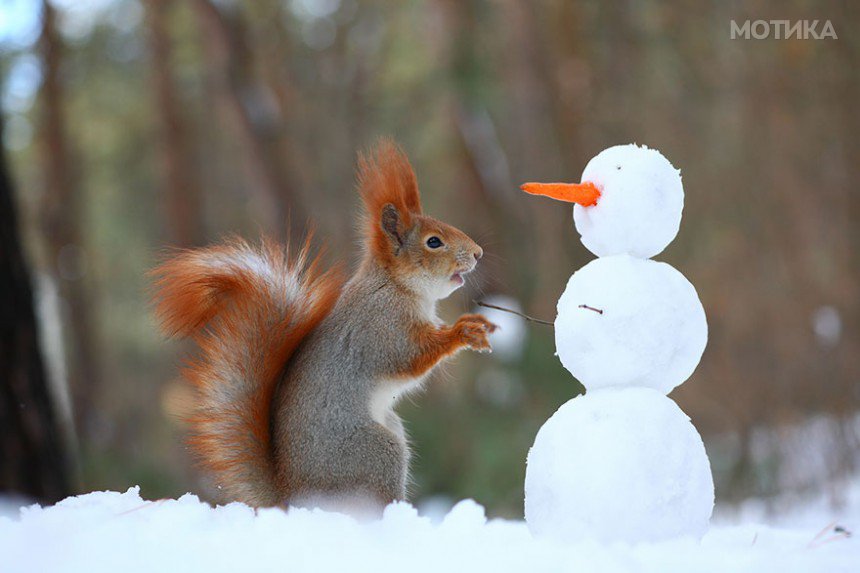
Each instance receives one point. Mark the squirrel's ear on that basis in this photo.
(390, 223)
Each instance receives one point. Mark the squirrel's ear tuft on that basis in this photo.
(389, 191)
(390, 223)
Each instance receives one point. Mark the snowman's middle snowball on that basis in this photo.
(624, 321)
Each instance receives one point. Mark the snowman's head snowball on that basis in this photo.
(639, 209)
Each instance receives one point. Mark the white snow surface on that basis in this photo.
(652, 331)
(639, 210)
(111, 532)
(619, 465)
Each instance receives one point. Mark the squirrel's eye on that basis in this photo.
(434, 242)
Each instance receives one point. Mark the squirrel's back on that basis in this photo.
(248, 308)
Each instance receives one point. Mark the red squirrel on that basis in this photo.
(299, 371)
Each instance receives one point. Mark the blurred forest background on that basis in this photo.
(134, 125)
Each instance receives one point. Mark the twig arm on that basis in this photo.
(503, 309)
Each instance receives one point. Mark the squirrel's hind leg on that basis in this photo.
(377, 460)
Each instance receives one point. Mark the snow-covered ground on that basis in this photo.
(120, 532)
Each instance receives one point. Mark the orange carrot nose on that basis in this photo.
(586, 194)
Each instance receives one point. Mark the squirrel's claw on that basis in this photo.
(474, 330)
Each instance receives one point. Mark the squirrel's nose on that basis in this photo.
(479, 253)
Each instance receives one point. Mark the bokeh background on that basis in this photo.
(134, 125)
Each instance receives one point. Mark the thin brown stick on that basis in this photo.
(597, 310)
(503, 309)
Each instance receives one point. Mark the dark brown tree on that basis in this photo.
(31, 449)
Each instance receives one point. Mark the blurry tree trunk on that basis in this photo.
(850, 48)
(485, 174)
(181, 186)
(31, 450)
(543, 140)
(847, 403)
(61, 219)
(269, 37)
(533, 90)
(230, 71)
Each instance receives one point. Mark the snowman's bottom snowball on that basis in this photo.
(618, 465)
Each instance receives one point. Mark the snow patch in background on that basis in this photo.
(111, 532)
(827, 326)
(509, 339)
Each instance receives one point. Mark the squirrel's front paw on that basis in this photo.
(474, 330)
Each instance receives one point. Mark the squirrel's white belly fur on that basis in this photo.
(387, 394)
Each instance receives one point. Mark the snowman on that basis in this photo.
(623, 462)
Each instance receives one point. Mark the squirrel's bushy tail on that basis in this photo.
(247, 308)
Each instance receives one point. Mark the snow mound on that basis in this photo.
(619, 465)
(111, 532)
(639, 209)
(624, 321)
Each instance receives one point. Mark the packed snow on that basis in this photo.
(639, 209)
(619, 465)
(114, 532)
(624, 321)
